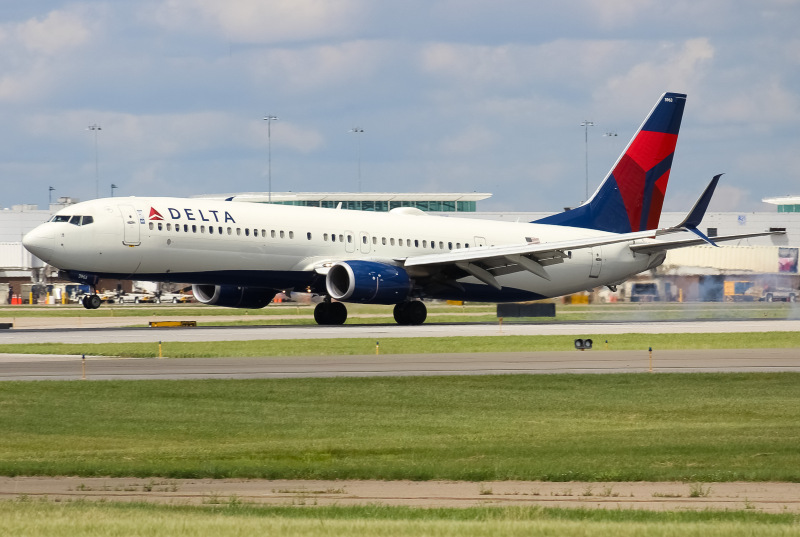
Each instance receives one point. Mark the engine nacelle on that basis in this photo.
(233, 296)
(367, 282)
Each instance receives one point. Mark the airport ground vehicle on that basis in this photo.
(772, 294)
(742, 291)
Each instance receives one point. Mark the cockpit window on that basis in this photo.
(76, 220)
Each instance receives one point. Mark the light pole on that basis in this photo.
(50, 195)
(586, 124)
(96, 128)
(113, 186)
(269, 119)
(358, 130)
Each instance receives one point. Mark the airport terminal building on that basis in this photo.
(695, 273)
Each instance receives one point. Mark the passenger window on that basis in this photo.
(341, 237)
(246, 232)
(458, 246)
(325, 237)
(349, 239)
(375, 240)
(230, 231)
(219, 229)
(186, 228)
(416, 243)
(194, 228)
(281, 233)
(466, 245)
(291, 234)
(210, 230)
(449, 245)
(383, 241)
(160, 226)
(202, 229)
(391, 242)
(238, 231)
(169, 227)
(308, 235)
(272, 233)
(255, 233)
(441, 245)
(424, 243)
(151, 225)
(363, 239)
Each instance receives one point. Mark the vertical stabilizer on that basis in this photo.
(631, 196)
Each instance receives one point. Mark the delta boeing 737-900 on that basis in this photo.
(240, 254)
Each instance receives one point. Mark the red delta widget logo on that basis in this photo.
(193, 214)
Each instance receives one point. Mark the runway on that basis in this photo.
(34, 367)
(372, 331)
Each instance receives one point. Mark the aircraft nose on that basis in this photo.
(39, 241)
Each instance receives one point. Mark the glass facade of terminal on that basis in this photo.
(789, 208)
(383, 206)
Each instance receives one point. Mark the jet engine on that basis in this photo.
(367, 282)
(233, 296)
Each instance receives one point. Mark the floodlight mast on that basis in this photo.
(269, 118)
(586, 124)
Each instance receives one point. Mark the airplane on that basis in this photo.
(239, 254)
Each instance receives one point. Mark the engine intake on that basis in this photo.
(233, 296)
(367, 282)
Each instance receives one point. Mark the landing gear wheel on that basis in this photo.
(91, 302)
(410, 313)
(330, 313)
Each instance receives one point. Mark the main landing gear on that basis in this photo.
(330, 313)
(409, 313)
(405, 313)
(91, 302)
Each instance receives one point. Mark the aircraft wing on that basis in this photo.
(487, 262)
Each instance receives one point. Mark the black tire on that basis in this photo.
(330, 313)
(338, 313)
(410, 313)
(174, 300)
(136, 300)
(94, 302)
(85, 302)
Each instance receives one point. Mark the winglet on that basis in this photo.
(697, 213)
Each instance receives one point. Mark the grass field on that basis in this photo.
(345, 346)
(693, 427)
(35, 518)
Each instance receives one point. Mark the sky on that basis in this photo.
(452, 96)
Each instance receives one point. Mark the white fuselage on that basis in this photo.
(282, 247)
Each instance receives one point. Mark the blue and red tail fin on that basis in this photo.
(631, 196)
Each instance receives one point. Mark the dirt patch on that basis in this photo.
(765, 497)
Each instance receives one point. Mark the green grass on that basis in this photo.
(355, 346)
(37, 518)
(692, 427)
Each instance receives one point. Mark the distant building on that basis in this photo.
(453, 202)
(786, 204)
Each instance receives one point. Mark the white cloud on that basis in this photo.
(257, 21)
(468, 141)
(56, 33)
(677, 68)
